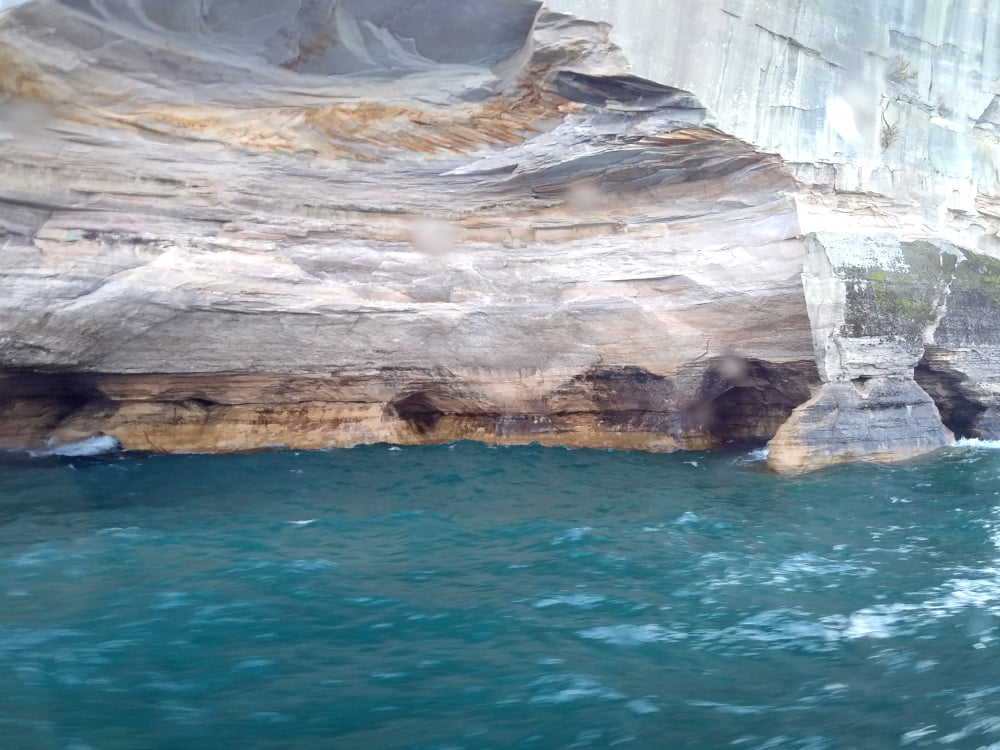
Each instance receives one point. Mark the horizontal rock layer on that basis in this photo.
(625, 407)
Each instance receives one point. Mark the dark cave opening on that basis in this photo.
(201, 402)
(959, 413)
(748, 415)
(58, 394)
(419, 410)
(745, 401)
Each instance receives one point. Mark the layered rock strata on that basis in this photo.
(234, 226)
(381, 235)
(886, 111)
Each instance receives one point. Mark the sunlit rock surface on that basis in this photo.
(232, 225)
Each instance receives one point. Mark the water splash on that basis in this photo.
(92, 446)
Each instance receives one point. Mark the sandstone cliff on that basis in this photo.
(230, 225)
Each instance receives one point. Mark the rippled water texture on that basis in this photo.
(472, 597)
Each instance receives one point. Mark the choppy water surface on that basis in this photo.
(472, 597)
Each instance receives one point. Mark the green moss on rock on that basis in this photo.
(973, 317)
(885, 302)
(979, 272)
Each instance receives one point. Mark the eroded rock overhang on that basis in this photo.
(232, 226)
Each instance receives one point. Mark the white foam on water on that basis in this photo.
(254, 664)
(387, 675)
(573, 687)
(20, 639)
(632, 635)
(992, 445)
(755, 456)
(783, 627)
(574, 534)
(171, 600)
(308, 565)
(913, 735)
(981, 594)
(641, 706)
(583, 601)
(731, 708)
(807, 563)
(121, 532)
(40, 556)
(92, 446)
(872, 624)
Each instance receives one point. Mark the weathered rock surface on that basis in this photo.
(874, 304)
(227, 226)
(884, 420)
(221, 240)
(906, 337)
(887, 111)
(959, 367)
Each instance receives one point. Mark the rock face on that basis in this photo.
(874, 304)
(905, 335)
(227, 226)
(894, 105)
(959, 367)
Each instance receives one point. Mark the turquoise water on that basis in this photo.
(472, 597)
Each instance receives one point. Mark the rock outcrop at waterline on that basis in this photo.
(233, 226)
(875, 305)
(906, 339)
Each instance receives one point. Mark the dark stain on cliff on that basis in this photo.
(973, 313)
(630, 397)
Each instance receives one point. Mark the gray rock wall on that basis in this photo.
(919, 80)
(905, 336)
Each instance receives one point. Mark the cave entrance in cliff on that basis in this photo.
(418, 408)
(745, 416)
(958, 412)
(57, 394)
(747, 400)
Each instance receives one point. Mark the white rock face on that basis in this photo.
(840, 269)
(919, 80)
